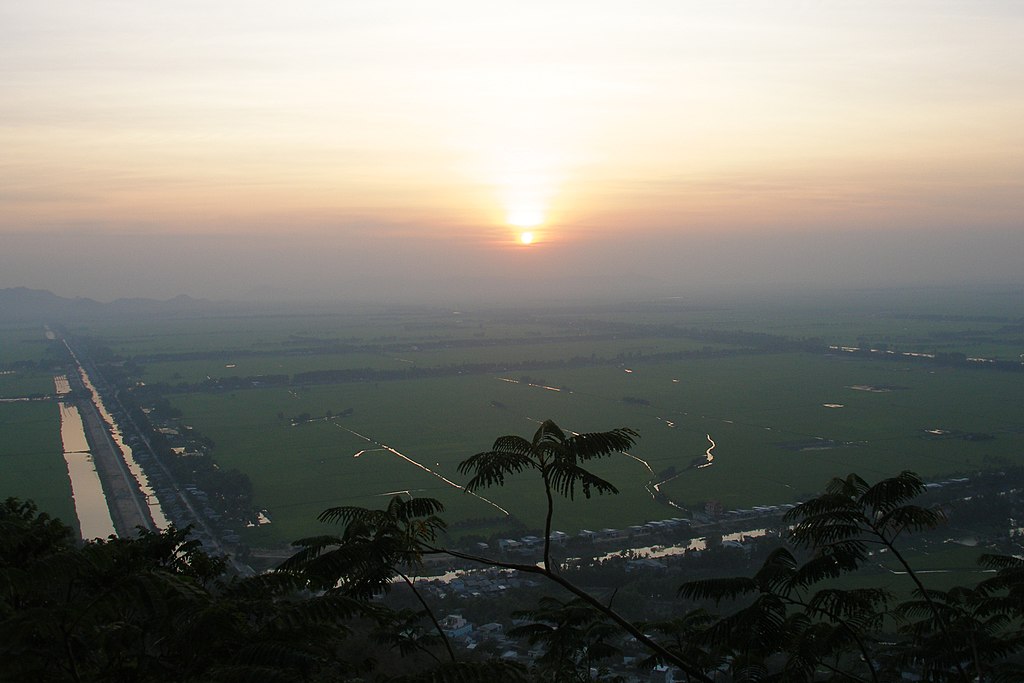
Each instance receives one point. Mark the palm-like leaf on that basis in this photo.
(491, 467)
(835, 629)
(686, 634)
(552, 453)
(556, 457)
(852, 512)
(374, 544)
(718, 589)
(564, 477)
(573, 633)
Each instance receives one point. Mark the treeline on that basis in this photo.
(352, 375)
(596, 331)
(391, 345)
(940, 358)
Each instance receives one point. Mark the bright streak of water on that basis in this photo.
(126, 453)
(711, 458)
(639, 460)
(86, 490)
(535, 386)
(385, 447)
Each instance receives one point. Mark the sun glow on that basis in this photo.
(525, 181)
(526, 238)
(525, 218)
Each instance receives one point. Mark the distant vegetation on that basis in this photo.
(775, 387)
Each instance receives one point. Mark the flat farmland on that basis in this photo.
(22, 349)
(21, 383)
(32, 458)
(434, 386)
(283, 332)
(19, 343)
(31, 453)
(775, 439)
(987, 326)
(196, 371)
(297, 471)
(290, 363)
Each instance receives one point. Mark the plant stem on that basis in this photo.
(430, 613)
(624, 623)
(939, 619)
(842, 622)
(547, 523)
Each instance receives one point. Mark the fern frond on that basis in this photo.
(718, 589)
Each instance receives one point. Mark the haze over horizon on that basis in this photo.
(401, 151)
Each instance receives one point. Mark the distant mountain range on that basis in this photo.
(20, 304)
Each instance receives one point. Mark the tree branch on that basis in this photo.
(623, 623)
(430, 613)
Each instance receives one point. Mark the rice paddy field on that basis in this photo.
(703, 385)
(781, 423)
(31, 454)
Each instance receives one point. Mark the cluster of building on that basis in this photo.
(475, 584)
(492, 636)
(756, 511)
(636, 531)
(528, 544)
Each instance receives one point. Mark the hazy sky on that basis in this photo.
(239, 148)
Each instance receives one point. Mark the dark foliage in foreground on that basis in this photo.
(156, 608)
(794, 626)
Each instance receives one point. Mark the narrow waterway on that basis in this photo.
(656, 488)
(403, 456)
(141, 480)
(91, 508)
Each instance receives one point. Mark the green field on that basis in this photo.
(775, 439)
(22, 383)
(21, 348)
(174, 372)
(31, 453)
(297, 471)
(21, 343)
(32, 458)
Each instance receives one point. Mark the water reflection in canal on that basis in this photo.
(86, 492)
(127, 454)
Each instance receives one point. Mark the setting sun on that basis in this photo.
(526, 238)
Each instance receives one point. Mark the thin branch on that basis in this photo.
(939, 618)
(430, 613)
(842, 622)
(624, 623)
(547, 521)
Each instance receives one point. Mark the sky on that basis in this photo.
(403, 149)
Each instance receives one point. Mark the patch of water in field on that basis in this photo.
(155, 511)
(86, 491)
